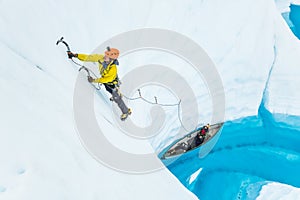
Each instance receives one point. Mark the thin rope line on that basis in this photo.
(164, 105)
(89, 71)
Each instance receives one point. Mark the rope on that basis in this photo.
(89, 72)
(160, 104)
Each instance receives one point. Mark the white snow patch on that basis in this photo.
(278, 191)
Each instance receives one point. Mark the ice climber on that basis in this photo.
(108, 63)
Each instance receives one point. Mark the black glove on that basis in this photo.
(71, 55)
(90, 79)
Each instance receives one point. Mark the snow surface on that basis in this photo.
(283, 5)
(41, 154)
(277, 191)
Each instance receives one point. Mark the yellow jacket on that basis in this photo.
(107, 75)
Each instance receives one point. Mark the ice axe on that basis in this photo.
(86, 69)
(61, 40)
(82, 67)
(64, 42)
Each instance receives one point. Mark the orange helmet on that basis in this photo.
(112, 53)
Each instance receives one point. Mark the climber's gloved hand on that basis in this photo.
(90, 79)
(71, 55)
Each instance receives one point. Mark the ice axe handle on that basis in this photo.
(87, 71)
(62, 40)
